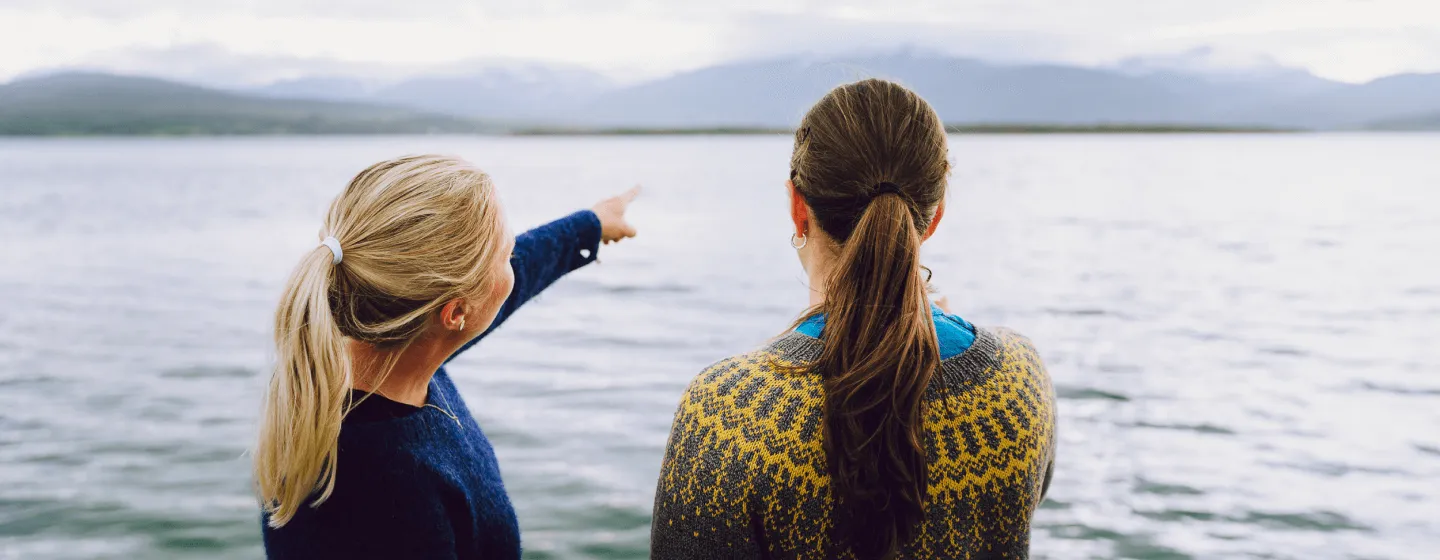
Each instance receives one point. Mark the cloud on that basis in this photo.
(212, 65)
(354, 10)
(619, 43)
(349, 9)
(1348, 39)
(759, 36)
(1356, 55)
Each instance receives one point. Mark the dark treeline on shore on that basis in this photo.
(992, 128)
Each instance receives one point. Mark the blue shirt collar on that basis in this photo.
(955, 334)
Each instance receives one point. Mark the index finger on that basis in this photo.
(629, 196)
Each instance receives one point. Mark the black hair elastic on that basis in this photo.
(885, 187)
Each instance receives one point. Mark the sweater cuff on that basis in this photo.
(585, 226)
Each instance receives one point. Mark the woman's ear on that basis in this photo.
(799, 213)
(935, 222)
(452, 315)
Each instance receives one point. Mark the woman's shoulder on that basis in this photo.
(1011, 338)
(754, 385)
(1003, 366)
(383, 455)
(999, 348)
(401, 451)
(1017, 351)
(771, 364)
(1001, 362)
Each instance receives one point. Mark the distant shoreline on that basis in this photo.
(1115, 129)
(963, 129)
(953, 129)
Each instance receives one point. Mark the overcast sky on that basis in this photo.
(1352, 40)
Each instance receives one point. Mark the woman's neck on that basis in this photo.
(817, 263)
(408, 381)
(817, 291)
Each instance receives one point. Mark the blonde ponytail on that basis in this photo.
(308, 394)
(417, 232)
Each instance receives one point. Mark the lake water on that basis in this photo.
(1242, 331)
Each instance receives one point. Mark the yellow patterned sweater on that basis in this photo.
(745, 473)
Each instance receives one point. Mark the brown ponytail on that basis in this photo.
(870, 162)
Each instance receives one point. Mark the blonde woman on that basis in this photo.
(366, 449)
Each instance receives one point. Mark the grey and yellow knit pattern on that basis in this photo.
(745, 472)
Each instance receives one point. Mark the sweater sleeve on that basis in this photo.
(544, 254)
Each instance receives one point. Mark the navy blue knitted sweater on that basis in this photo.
(415, 483)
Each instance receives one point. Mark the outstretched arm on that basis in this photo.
(546, 253)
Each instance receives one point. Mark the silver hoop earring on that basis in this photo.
(803, 240)
(462, 324)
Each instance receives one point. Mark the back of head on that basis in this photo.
(870, 161)
(414, 233)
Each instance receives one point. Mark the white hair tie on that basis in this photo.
(334, 245)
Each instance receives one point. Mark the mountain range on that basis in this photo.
(88, 104)
(768, 93)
